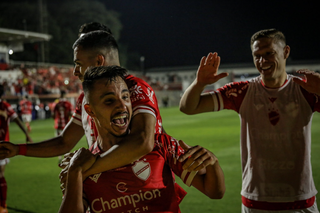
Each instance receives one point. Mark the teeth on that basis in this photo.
(120, 120)
(265, 68)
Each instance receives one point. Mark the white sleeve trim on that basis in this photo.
(143, 109)
(190, 178)
(217, 101)
(76, 121)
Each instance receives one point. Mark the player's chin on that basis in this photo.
(120, 130)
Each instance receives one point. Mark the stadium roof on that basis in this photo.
(10, 35)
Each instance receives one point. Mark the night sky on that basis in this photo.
(179, 33)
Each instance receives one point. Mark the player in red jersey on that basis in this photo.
(26, 111)
(147, 183)
(276, 111)
(7, 113)
(96, 49)
(62, 112)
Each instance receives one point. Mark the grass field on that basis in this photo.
(33, 184)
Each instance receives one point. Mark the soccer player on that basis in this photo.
(7, 113)
(276, 111)
(144, 185)
(26, 111)
(62, 112)
(99, 48)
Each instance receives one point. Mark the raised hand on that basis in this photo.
(312, 83)
(197, 157)
(208, 70)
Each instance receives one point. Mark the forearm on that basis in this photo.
(190, 100)
(73, 199)
(49, 148)
(213, 182)
(129, 149)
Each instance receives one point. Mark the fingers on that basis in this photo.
(199, 158)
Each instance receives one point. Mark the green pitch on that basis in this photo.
(33, 184)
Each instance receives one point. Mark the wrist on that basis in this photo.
(22, 149)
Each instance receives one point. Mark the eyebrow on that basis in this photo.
(112, 93)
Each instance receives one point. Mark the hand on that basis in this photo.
(208, 68)
(64, 165)
(8, 150)
(198, 157)
(312, 83)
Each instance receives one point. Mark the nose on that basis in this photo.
(76, 71)
(262, 59)
(121, 104)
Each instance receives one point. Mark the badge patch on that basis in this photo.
(142, 170)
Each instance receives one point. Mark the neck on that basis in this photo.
(275, 82)
(106, 140)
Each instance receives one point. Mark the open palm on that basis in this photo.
(208, 69)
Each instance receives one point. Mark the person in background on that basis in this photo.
(7, 113)
(26, 111)
(62, 112)
(146, 184)
(276, 111)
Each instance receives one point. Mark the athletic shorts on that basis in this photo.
(312, 209)
(4, 161)
(26, 117)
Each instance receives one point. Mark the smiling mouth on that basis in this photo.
(266, 68)
(120, 121)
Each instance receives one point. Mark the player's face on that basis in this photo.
(112, 106)
(82, 60)
(270, 58)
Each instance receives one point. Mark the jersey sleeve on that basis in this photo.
(11, 113)
(171, 151)
(143, 98)
(312, 99)
(76, 117)
(229, 96)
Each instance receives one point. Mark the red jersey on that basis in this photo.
(26, 107)
(146, 185)
(143, 100)
(6, 112)
(62, 111)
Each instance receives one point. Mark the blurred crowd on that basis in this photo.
(23, 80)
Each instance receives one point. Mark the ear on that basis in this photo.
(88, 110)
(100, 60)
(286, 52)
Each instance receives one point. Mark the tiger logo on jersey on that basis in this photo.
(142, 170)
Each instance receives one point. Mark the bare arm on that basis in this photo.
(20, 124)
(138, 143)
(192, 102)
(48, 148)
(210, 178)
(73, 197)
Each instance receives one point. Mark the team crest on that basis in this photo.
(95, 177)
(142, 170)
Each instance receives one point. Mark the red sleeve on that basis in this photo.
(143, 98)
(312, 99)
(171, 151)
(230, 96)
(11, 113)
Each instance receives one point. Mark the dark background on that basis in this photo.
(179, 33)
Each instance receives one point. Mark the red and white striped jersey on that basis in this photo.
(62, 111)
(6, 113)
